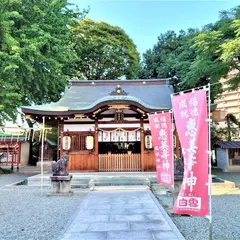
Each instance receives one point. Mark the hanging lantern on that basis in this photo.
(89, 142)
(66, 142)
(148, 142)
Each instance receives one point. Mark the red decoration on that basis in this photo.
(160, 125)
(190, 112)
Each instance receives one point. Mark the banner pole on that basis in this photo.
(173, 189)
(209, 163)
(43, 128)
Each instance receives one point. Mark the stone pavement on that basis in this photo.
(17, 176)
(121, 215)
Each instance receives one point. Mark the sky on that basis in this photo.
(145, 20)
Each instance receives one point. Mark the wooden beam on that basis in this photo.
(19, 155)
(96, 143)
(142, 144)
(177, 149)
(61, 124)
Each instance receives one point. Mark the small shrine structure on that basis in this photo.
(103, 124)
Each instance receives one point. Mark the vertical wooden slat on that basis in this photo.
(61, 137)
(7, 154)
(99, 163)
(142, 144)
(95, 147)
(19, 154)
(120, 162)
(133, 162)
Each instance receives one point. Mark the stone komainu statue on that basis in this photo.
(59, 168)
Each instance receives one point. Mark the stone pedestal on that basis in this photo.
(178, 170)
(61, 185)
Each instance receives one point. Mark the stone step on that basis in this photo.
(79, 185)
(96, 181)
(123, 187)
(119, 182)
(224, 184)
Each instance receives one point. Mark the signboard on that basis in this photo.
(190, 113)
(119, 136)
(161, 130)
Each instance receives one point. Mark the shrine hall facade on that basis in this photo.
(103, 124)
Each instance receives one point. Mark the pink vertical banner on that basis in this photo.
(161, 130)
(190, 113)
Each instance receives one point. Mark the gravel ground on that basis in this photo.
(12, 178)
(26, 213)
(225, 213)
(230, 176)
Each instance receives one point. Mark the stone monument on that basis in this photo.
(61, 180)
(178, 169)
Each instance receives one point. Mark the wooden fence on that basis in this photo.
(119, 162)
(10, 154)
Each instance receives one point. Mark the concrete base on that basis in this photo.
(60, 194)
(61, 185)
(233, 168)
(86, 180)
(47, 166)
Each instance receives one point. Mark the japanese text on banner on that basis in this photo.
(190, 112)
(161, 130)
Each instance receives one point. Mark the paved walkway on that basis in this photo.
(23, 174)
(121, 215)
(230, 176)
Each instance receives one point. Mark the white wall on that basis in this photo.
(78, 127)
(24, 154)
(120, 125)
(222, 159)
(87, 127)
(146, 126)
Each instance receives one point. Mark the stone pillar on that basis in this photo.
(61, 185)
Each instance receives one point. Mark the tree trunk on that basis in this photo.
(31, 160)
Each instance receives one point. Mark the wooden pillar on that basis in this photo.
(7, 153)
(142, 144)
(177, 149)
(58, 140)
(96, 144)
(61, 137)
(12, 156)
(19, 155)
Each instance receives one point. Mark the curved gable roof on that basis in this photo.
(85, 96)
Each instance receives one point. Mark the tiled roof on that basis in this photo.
(228, 144)
(84, 95)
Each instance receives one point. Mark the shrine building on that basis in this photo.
(103, 125)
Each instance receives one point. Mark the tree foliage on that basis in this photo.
(229, 131)
(214, 58)
(104, 51)
(195, 58)
(171, 57)
(232, 125)
(36, 58)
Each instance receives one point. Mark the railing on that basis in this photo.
(9, 155)
(119, 162)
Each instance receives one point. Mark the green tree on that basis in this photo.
(104, 51)
(216, 46)
(36, 58)
(195, 58)
(232, 126)
(171, 57)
